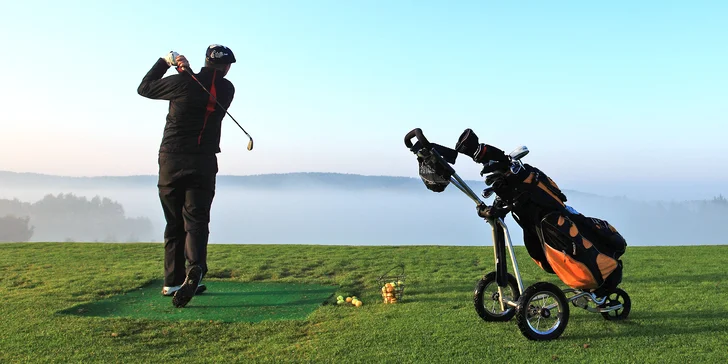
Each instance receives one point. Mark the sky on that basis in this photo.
(598, 91)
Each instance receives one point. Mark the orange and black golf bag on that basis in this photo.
(582, 251)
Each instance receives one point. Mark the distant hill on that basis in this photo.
(279, 180)
(275, 180)
(282, 181)
(310, 179)
(15, 179)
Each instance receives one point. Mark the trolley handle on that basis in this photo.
(417, 132)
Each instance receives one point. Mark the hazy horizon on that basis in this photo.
(666, 190)
(367, 211)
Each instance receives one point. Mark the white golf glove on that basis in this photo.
(171, 58)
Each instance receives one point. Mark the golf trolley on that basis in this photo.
(541, 309)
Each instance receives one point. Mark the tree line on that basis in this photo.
(69, 217)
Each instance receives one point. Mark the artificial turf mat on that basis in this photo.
(224, 301)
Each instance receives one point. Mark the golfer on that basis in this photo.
(188, 161)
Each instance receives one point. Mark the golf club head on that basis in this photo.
(519, 153)
(250, 144)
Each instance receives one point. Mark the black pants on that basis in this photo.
(186, 190)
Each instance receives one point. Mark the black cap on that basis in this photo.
(219, 54)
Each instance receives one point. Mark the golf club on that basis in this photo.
(250, 143)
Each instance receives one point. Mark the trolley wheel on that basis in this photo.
(543, 312)
(619, 296)
(487, 299)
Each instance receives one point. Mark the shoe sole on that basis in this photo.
(183, 296)
(200, 288)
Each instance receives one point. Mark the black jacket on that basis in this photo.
(194, 118)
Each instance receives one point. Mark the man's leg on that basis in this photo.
(196, 214)
(199, 193)
(172, 200)
(171, 196)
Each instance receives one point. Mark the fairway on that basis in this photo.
(679, 314)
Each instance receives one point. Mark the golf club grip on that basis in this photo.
(417, 132)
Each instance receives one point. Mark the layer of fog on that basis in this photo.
(391, 217)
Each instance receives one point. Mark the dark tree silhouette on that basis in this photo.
(15, 229)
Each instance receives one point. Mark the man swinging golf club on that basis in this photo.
(188, 161)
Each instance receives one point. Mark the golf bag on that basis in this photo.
(582, 251)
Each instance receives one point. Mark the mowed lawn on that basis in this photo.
(679, 308)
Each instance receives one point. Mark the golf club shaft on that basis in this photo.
(218, 103)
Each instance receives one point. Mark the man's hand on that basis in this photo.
(182, 63)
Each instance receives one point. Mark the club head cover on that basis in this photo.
(467, 143)
(488, 154)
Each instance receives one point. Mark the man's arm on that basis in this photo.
(153, 86)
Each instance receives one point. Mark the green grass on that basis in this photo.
(679, 308)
